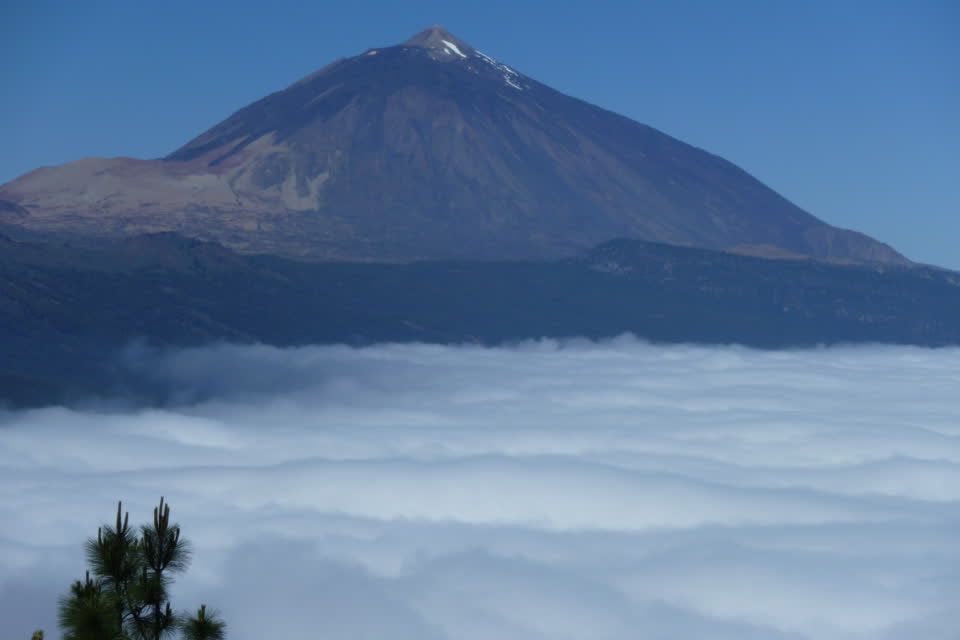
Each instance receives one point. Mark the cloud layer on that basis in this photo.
(548, 490)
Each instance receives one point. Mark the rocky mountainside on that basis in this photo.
(428, 150)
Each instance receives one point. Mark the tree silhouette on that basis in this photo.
(204, 626)
(128, 596)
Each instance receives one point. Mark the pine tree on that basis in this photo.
(204, 626)
(87, 613)
(128, 596)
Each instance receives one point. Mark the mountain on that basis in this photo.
(67, 312)
(428, 150)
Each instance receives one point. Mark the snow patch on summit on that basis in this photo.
(454, 48)
(504, 69)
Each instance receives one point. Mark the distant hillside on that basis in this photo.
(65, 310)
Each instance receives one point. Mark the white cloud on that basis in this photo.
(547, 490)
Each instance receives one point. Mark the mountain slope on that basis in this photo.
(429, 149)
(66, 311)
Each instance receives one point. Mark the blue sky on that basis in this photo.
(850, 109)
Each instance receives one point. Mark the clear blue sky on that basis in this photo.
(850, 109)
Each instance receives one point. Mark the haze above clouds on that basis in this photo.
(549, 490)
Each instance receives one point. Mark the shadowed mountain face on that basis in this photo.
(430, 149)
(66, 311)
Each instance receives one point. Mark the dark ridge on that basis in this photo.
(66, 312)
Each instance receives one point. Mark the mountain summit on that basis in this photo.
(428, 149)
(439, 39)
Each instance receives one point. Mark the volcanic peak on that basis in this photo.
(437, 38)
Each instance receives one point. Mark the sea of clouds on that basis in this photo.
(549, 490)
